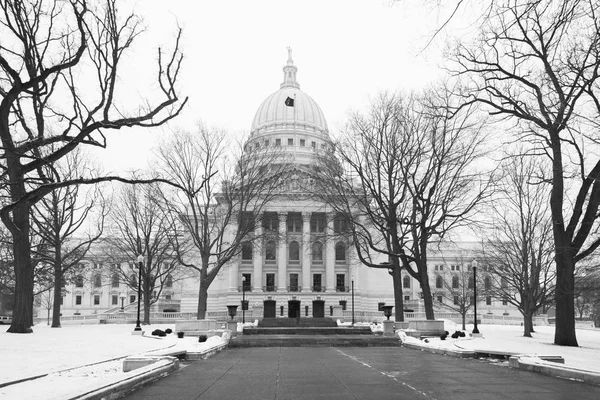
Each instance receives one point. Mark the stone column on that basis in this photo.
(282, 253)
(234, 265)
(330, 256)
(306, 252)
(257, 257)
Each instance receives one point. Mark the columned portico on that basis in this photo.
(282, 253)
(306, 252)
(257, 259)
(330, 256)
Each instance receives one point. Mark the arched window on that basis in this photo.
(115, 280)
(133, 280)
(471, 282)
(487, 282)
(271, 250)
(317, 251)
(79, 281)
(455, 282)
(247, 251)
(169, 281)
(97, 281)
(294, 252)
(406, 282)
(439, 282)
(340, 251)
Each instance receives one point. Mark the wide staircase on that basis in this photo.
(302, 332)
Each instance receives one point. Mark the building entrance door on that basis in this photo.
(318, 309)
(269, 307)
(294, 309)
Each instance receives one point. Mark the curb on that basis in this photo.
(119, 389)
(536, 364)
(523, 362)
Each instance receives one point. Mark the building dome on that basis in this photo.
(289, 110)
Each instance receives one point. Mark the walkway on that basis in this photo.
(354, 373)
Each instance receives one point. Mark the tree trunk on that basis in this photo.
(527, 324)
(23, 300)
(57, 297)
(202, 299)
(564, 333)
(427, 299)
(464, 321)
(398, 298)
(147, 297)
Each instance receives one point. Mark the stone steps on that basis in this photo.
(313, 330)
(296, 340)
(296, 322)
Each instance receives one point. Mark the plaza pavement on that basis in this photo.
(380, 373)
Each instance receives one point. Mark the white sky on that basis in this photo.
(345, 51)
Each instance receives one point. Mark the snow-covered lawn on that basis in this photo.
(77, 357)
(510, 339)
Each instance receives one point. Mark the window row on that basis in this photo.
(455, 284)
(115, 281)
(294, 222)
(294, 251)
(293, 283)
(290, 142)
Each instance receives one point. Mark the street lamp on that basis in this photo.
(243, 299)
(122, 297)
(140, 260)
(352, 300)
(474, 264)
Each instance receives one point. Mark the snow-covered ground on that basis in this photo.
(78, 358)
(510, 339)
(63, 353)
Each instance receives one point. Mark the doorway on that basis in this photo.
(294, 309)
(269, 309)
(318, 309)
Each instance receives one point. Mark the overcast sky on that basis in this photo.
(345, 51)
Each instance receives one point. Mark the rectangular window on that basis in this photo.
(406, 298)
(317, 223)
(458, 267)
(96, 300)
(343, 303)
(294, 223)
(114, 300)
(440, 299)
(302, 142)
(317, 279)
(504, 301)
(313, 145)
(167, 297)
(132, 299)
(277, 142)
(247, 282)
(270, 280)
(380, 306)
(488, 300)
(267, 143)
(290, 142)
(455, 300)
(340, 282)
(78, 300)
(62, 300)
(293, 282)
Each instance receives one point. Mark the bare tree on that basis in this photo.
(59, 79)
(58, 219)
(520, 250)
(537, 63)
(140, 226)
(405, 176)
(456, 290)
(218, 202)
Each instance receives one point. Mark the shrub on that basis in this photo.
(158, 332)
(461, 334)
(180, 334)
(168, 331)
(455, 335)
(202, 338)
(444, 335)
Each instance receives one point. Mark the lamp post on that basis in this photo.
(243, 299)
(140, 260)
(352, 300)
(122, 297)
(474, 264)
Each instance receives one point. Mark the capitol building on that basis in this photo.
(302, 264)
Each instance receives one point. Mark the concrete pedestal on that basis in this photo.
(400, 325)
(137, 333)
(337, 312)
(388, 328)
(232, 326)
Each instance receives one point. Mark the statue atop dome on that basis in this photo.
(289, 72)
